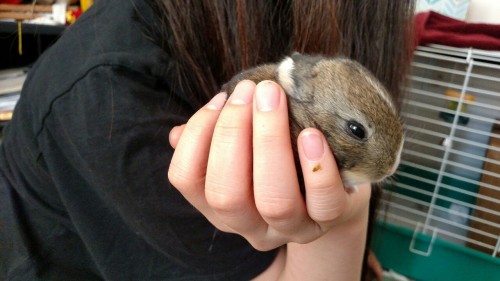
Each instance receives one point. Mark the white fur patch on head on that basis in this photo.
(285, 78)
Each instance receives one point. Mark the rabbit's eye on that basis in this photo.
(356, 130)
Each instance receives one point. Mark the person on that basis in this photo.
(123, 162)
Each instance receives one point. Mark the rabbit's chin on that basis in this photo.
(353, 180)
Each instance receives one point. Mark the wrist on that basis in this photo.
(337, 255)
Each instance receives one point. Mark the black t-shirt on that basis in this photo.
(84, 193)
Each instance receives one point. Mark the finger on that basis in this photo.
(229, 173)
(276, 188)
(175, 135)
(188, 166)
(326, 198)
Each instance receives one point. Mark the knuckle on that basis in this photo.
(182, 179)
(222, 199)
(222, 203)
(195, 129)
(263, 245)
(276, 209)
(225, 135)
(302, 239)
(268, 139)
(227, 129)
(326, 212)
(232, 123)
(325, 204)
(325, 217)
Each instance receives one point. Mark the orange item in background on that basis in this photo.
(85, 4)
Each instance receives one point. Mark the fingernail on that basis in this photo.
(243, 93)
(217, 102)
(312, 144)
(267, 95)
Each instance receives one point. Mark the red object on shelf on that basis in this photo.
(435, 28)
(11, 1)
(73, 15)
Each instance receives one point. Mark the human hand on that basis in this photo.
(234, 162)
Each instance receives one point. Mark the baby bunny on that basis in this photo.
(347, 103)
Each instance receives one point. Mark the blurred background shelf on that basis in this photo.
(36, 38)
(11, 26)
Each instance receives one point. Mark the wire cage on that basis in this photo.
(440, 217)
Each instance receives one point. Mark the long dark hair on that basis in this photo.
(211, 41)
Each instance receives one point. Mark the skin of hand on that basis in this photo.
(233, 161)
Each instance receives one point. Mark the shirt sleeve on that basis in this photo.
(105, 145)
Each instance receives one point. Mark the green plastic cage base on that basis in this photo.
(446, 260)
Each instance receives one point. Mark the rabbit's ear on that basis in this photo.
(294, 74)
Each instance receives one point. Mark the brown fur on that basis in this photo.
(326, 94)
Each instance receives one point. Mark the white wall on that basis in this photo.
(478, 11)
(484, 11)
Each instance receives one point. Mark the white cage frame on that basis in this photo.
(452, 151)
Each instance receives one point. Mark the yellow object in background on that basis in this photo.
(20, 38)
(454, 104)
(85, 4)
